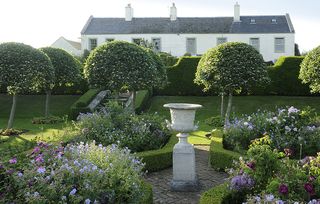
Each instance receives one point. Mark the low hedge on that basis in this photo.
(215, 195)
(220, 158)
(142, 100)
(80, 106)
(156, 160)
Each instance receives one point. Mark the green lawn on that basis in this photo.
(28, 107)
(241, 105)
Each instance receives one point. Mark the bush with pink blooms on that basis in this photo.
(82, 173)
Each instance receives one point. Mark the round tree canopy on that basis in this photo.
(67, 68)
(310, 70)
(231, 66)
(117, 65)
(24, 69)
(161, 69)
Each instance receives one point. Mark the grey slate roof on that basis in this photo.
(263, 24)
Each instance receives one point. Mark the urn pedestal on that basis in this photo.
(184, 167)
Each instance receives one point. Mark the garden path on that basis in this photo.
(207, 176)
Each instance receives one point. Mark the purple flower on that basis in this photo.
(73, 191)
(36, 150)
(10, 171)
(39, 158)
(241, 182)
(13, 160)
(20, 174)
(312, 178)
(41, 170)
(283, 189)
(309, 188)
(87, 201)
(251, 165)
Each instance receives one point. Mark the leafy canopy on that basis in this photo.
(24, 69)
(231, 66)
(310, 70)
(120, 65)
(67, 68)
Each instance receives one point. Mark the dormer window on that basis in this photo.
(274, 21)
(253, 21)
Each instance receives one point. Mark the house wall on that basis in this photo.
(65, 45)
(176, 43)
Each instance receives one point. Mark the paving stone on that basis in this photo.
(208, 178)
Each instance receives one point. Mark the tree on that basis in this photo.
(229, 68)
(23, 69)
(66, 70)
(296, 50)
(310, 70)
(120, 65)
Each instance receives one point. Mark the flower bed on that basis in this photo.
(83, 173)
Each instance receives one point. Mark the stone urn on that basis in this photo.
(184, 167)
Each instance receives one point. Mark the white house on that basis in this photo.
(273, 35)
(71, 47)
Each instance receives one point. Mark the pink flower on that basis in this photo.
(39, 159)
(309, 188)
(13, 160)
(251, 165)
(36, 150)
(283, 189)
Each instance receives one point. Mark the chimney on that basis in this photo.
(129, 13)
(236, 17)
(173, 12)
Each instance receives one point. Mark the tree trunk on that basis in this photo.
(222, 104)
(133, 105)
(226, 119)
(47, 108)
(13, 111)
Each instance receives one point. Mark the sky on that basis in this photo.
(40, 22)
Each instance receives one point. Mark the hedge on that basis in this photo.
(156, 160)
(81, 105)
(215, 195)
(142, 102)
(220, 158)
(180, 78)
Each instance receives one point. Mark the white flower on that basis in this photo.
(246, 123)
(287, 128)
(269, 197)
(295, 129)
(36, 194)
(87, 201)
(63, 198)
(73, 191)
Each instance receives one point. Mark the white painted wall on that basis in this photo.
(176, 43)
(65, 45)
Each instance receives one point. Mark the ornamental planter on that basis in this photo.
(184, 168)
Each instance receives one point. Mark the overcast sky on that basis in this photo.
(40, 22)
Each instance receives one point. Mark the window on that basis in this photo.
(109, 39)
(137, 40)
(191, 46)
(279, 45)
(157, 44)
(221, 40)
(92, 43)
(255, 42)
(253, 21)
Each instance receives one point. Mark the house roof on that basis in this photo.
(74, 44)
(263, 24)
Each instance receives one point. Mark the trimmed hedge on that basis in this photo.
(180, 78)
(142, 102)
(215, 195)
(156, 160)
(80, 106)
(220, 158)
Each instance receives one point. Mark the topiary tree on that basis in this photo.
(229, 68)
(121, 65)
(310, 70)
(23, 70)
(66, 69)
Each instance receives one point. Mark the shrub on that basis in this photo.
(74, 174)
(180, 79)
(142, 100)
(215, 195)
(310, 72)
(116, 125)
(167, 59)
(47, 120)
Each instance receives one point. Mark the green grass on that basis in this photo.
(241, 105)
(28, 107)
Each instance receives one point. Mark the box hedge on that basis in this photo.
(215, 195)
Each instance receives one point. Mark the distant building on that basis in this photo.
(273, 36)
(71, 47)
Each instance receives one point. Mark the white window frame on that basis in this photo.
(277, 45)
(160, 44)
(256, 46)
(195, 46)
(219, 38)
(90, 43)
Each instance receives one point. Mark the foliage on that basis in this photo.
(143, 100)
(47, 120)
(215, 121)
(120, 65)
(67, 68)
(83, 173)
(310, 70)
(215, 195)
(180, 78)
(231, 67)
(24, 69)
(118, 125)
(167, 59)
(287, 127)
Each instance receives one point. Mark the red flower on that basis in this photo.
(309, 188)
(283, 189)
